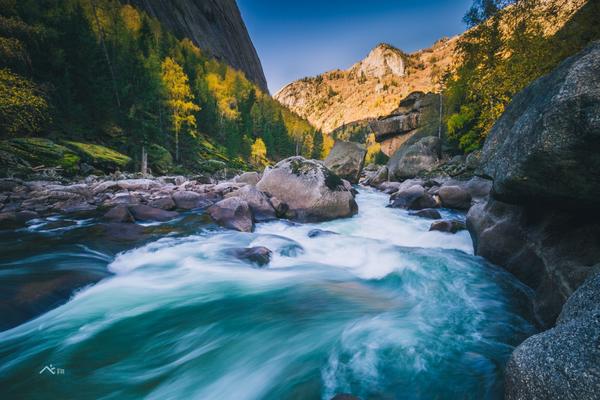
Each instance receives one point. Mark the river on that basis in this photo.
(382, 309)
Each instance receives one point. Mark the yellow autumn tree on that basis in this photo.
(179, 99)
(258, 153)
(328, 143)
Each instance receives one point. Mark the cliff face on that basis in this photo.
(215, 26)
(371, 88)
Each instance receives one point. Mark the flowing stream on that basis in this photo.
(383, 309)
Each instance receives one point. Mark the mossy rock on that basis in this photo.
(100, 156)
(159, 159)
(20, 153)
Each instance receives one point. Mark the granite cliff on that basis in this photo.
(215, 26)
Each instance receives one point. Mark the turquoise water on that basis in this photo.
(382, 310)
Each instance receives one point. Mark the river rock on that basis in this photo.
(14, 219)
(479, 188)
(552, 251)
(546, 146)
(233, 213)
(187, 200)
(259, 203)
(449, 226)
(377, 177)
(411, 160)
(563, 362)
(260, 255)
(137, 184)
(142, 212)
(313, 233)
(413, 198)
(119, 213)
(120, 231)
(105, 186)
(310, 190)
(427, 213)
(163, 202)
(454, 197)
(346, 160)
(251, 178)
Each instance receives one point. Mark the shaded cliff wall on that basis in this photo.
(215, 26)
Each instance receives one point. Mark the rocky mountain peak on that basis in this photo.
(383, 60)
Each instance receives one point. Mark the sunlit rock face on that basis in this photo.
(381, 61)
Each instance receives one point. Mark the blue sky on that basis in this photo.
(295, 39)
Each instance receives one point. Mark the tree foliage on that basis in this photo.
(103, 72)
(510, 44)
(22, 107)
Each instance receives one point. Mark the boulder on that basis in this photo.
(411, 160)
(310, 190)
(449, 226)
(259, 203)
(259, 256)
(346, 160)
(479, 188)
(14, 219)
(119, 214)
(551, 251)
(187, 200)
(454, 197)
(163, 202)
(413, 198)
(427, 213)
(377, 177)
(251, 178)
(142, 212)
(545, 148)
(389, 187)
(233, 213)
(137, 184)
(563, 362)
(118, 232)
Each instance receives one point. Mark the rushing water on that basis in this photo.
(382, 310)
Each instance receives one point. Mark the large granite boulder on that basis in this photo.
(552, 251)
(546, 146)
(310, 190)
(563, 362)
(346, 160)
(413, 159)
(232, 213)
(455, 197)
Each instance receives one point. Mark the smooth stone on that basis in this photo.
(233, 213)
(142, 212)
(448, 226)
(427, 213)
(260, 255)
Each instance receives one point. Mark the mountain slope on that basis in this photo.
(374, 87)
(371, 88)
(215, 26)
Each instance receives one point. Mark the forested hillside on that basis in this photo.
(510, 44)
(99, 72)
